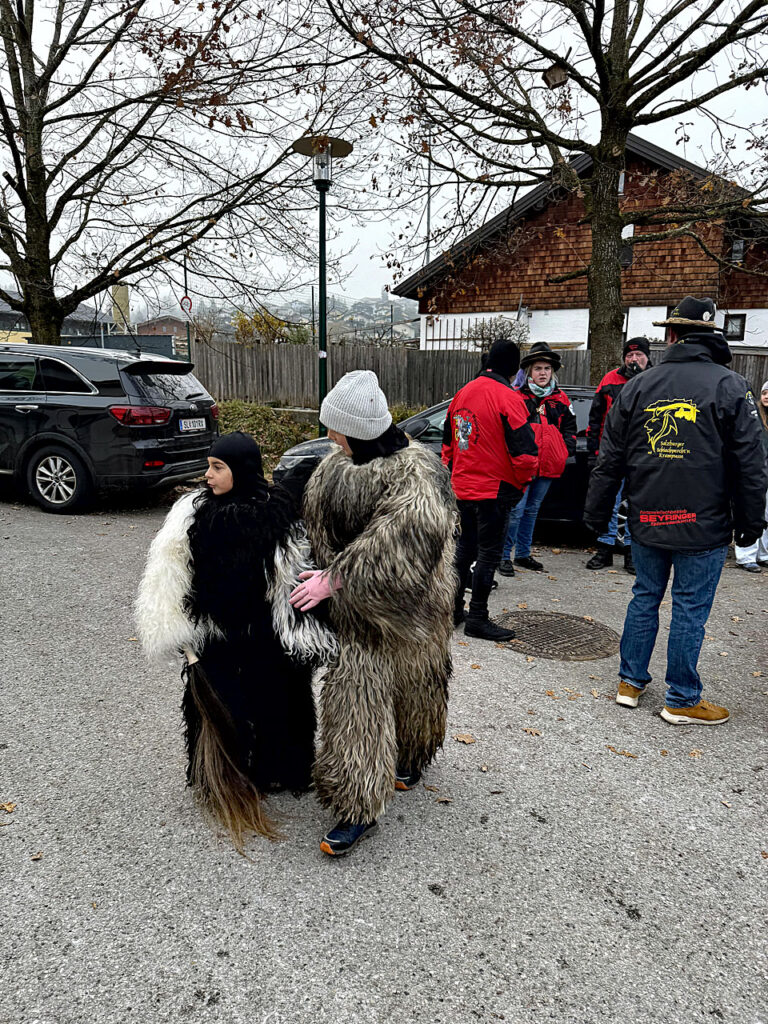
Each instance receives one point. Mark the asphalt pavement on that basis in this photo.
(574, 861)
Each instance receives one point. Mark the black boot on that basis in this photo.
(629, 565)
(486, 629)
(602, 558)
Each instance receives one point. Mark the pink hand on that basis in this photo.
(315, 588)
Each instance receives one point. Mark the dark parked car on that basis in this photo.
(74, 420)
(565, 499)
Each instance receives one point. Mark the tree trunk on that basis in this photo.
(606, 315)
(45, 320)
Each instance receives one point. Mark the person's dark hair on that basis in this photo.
(683, 330)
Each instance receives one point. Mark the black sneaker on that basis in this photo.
(344, 836)
(529, 563)
(485, 629)
(506, 568)
(405, 781)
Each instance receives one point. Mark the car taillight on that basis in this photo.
(215, 411)
(154, 464)
(140, 415)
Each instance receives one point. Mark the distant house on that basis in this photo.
(504, 268)
(86, 320)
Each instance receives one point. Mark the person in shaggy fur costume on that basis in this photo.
(380, 517)
(216, 586)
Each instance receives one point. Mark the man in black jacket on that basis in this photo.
(686, 438)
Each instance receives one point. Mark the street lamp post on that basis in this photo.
(322, 149)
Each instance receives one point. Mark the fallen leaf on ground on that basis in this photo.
(462, 643)
(735, 618)
(9, 808)
(575, 696)
(614, 572)
(588, 618)
(530, 658)
(764, 854)
(595, 677)
(557, 551)
(623, 753)
(475, 666)
(483, 767)
(553, 578)
(756, 674)
(552, 694)
(569, 689)
(431, 789)
(532, 732)
(37, 856)
(695, 753)
(444, 800)
(464, 737)
(522, 605)
(664, 753)
(135, 638)
(723, 654)
(554, 599)
(725, 803)
(594, 693)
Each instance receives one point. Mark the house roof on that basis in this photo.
(84, 312)
(537, 199)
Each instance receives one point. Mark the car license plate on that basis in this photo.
(187, 425)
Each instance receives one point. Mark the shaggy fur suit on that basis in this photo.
(386, 527)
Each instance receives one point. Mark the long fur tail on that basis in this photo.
(223, 790)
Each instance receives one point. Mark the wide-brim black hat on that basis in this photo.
(541, 353)
(692, 312)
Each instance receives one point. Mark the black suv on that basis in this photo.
(74, 420)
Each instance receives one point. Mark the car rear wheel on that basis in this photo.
(58, 480)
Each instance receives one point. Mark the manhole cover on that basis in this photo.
(559, 636)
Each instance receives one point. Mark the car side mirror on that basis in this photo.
(418, 426)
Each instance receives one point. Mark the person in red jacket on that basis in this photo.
(490, 448)
(554, 424)
(637, 357)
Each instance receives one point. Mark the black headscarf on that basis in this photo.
(392, 440)
(243, 456)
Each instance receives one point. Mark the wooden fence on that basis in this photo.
(287, 374)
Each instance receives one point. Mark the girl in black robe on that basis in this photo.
(247, 705)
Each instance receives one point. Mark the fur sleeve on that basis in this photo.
(301, 634)
(163, 625)
(398, 572)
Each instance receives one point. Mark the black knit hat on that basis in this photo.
(691, 312)
(243, 456)
(637, 345)
(503, 358)
(541, 353)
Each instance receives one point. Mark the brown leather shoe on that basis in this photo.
(628, 695)
(703, 713)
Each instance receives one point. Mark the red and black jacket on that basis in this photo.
(488, 443)
(607, 392)
(554, 426)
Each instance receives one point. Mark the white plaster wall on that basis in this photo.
(560, 325)
(641, 322)
(572, 325)
(444, 331)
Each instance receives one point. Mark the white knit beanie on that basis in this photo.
(356, 407)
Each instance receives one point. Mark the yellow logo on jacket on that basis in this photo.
(662, 427)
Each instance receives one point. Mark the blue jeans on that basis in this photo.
(609, 537)
(522, 518)
(697, 574)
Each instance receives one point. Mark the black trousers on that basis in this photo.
(483, 527)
